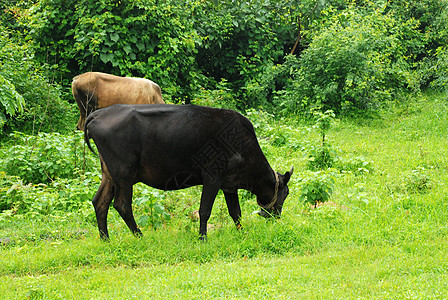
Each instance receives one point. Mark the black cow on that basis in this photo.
(171, 147)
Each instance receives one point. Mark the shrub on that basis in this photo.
(417, 181)
(317, 187)
(45, 157)
(431, 17)
(138, 38)
(153, 211)
(242, 39)
(11, 101)
(359, 62)
(8, 190)
(221, 96)
(64, 195)
(30, 102)
(440, 69)
(323, 156)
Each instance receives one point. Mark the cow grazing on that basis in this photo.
(94, 90)
(171, 147)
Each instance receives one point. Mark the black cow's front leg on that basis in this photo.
(233, 205)
(209, 192)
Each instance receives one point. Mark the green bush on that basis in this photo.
(321, 157)
(138, 38)
(432, 18)
(149, 203)
(317, 187)
(440, 70)
(240, 39)
(63, 195)
(182, 46)
(245, 42)
(222, 96)
(45, 157)
(359, 62)
(11, 101)
(351, 57)
(8, 190)
(28, 102)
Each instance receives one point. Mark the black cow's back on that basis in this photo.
(169, 146)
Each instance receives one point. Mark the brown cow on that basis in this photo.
(95, 90)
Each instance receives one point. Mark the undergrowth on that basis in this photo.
(388, 191)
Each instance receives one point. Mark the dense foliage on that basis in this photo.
(369, 188)
(285, 57)
(137, 38)
(45, 157)
(359, 62)
(270, 59)
(29, 102)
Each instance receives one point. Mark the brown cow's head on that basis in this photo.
(87, 103)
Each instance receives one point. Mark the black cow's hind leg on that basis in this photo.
(101, 202)
(209, 191)
(233, 205)
(123, 204)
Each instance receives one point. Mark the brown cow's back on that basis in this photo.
(94, 90)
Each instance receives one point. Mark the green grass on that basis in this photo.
(361, 272)
(383, 236)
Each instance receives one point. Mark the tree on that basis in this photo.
(358, 62)
(132, 38)
(27, 100)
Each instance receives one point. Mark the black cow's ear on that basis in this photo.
(287, 176)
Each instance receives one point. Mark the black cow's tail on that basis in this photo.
(86, 135)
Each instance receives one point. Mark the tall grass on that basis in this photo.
(382, 235)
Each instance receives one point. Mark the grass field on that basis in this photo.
(383, 234)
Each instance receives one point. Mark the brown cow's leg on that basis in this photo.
(123, 204)
(209, 192)
(233, 205)
(101, 202)
(81, 122)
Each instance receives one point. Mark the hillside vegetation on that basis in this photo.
(287, 57)
(352, 94)
(382, 234)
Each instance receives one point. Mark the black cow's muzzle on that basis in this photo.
(269, 213)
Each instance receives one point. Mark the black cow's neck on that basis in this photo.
(261, 178)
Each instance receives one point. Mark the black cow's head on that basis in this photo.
(274, 208)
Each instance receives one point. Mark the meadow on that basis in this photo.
(382, 234)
